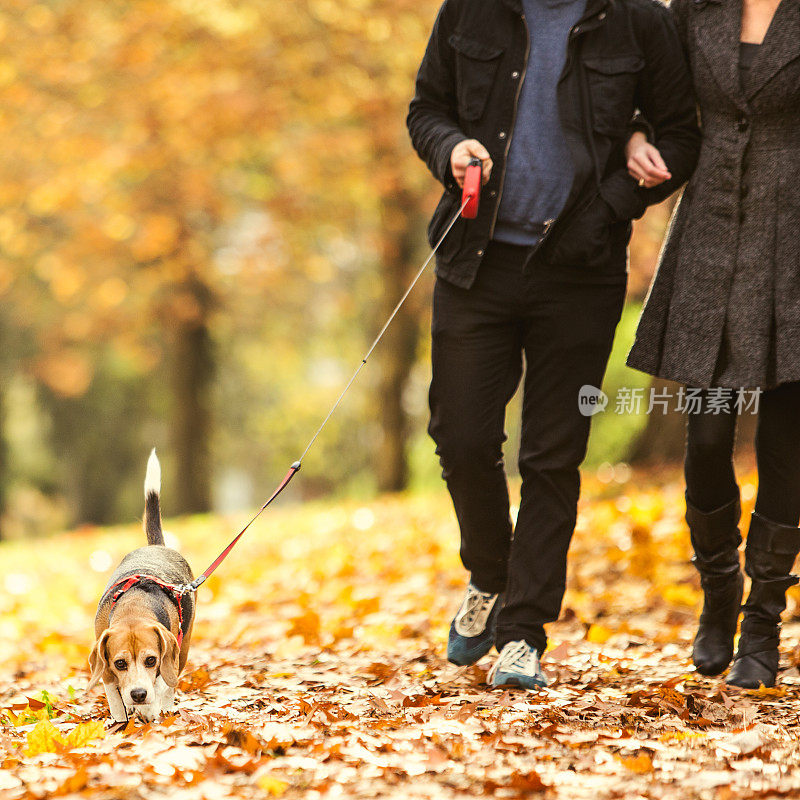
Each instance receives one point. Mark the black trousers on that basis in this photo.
(563, 326)
(710, 438)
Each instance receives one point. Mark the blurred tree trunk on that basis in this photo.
(193, 371)
(400, 221)
(96, 439)
(3, 457)
(663, 439)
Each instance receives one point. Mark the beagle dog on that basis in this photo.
(144, 621)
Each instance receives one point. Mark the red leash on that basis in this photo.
(193, 586)
(469, 210)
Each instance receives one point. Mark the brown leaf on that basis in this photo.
(306, 625)
(244, 740)
(195, 680)
(381, 672)
(76, 782)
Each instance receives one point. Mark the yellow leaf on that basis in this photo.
(681, 594)
(598, 634)
(271, 785)
(679, 736)
(766, 691)
(44, 738)
(21, 718)
(82, 734)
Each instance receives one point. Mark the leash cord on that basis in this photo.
(384, 328)
(196, 583)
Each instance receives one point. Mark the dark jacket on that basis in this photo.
(724, 307)
(622, 55)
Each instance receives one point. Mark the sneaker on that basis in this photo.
(472, 629)
(518, 665)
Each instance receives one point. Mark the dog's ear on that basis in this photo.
(98, 660)
(169, 655)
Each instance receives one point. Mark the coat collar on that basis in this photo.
(781, 45)
(718, 25)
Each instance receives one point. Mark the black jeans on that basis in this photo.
(710, 438)
(563, 324)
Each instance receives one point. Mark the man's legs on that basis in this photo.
(477, 363)
(567, 341)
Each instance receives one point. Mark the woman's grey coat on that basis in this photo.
(724, 307)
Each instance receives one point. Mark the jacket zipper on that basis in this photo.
(577, 209)
(548, 224)
(513, 125)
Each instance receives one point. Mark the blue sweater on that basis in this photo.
(539, 170)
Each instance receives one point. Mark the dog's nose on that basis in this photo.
(138, 695)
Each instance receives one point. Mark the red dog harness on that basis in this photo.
(175, 591)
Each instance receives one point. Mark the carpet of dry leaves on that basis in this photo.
(317, 668)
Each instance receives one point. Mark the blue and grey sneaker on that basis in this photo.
(518, 665)
(472, 629)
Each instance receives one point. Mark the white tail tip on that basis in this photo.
(152, 480)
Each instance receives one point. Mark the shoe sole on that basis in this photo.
(516, 684)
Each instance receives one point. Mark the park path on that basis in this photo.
(317, 668)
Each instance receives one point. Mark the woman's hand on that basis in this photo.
(644, 162)
(462, 153)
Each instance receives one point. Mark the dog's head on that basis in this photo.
(130, 655)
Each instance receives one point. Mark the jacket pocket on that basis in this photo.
(612, 88)
(583, 239)
(476, 66)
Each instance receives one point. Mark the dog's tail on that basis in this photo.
(152, 505)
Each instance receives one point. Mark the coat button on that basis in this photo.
(480, 252)
(515, 74)
(501, 135)
(493, 193)
(743, 123)
(602, 16)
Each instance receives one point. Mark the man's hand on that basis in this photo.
(644, 162)
(460, 158)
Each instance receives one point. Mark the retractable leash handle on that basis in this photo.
(468, 210)
(470, 197)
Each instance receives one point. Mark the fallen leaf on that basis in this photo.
(272, 786)
(641, 764)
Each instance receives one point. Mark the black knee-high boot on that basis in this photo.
(769, 556)
(716, 539)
